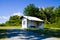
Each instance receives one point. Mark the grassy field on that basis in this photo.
(10, 27)
(3, 30)
(47, 31)
(53, 32)
(53, 25)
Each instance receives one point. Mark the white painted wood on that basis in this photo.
(29, 23)
(33, 18)
(24, 25)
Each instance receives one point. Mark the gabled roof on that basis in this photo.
(32, 18)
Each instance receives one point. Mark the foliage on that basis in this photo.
(14, 21)
(31, 10)
(57, 11)
(2, 24)
(50, 15)
(53, 25)
(47, 14)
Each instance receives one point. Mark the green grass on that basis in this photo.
(53, 25)
(10, 27)
(3, 31)
(46, 31)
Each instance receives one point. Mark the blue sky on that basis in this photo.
(16, 7)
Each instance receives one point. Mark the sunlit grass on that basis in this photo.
(49, 31)
(10, 27)
(4, 39)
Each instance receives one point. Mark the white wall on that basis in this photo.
(24, 25)
(29, 23)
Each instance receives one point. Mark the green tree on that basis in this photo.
(2, 24)
(42, 14)
(57, 11)
(31, 10)
(14, 21)
(47, 14)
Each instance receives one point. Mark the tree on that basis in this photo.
(47, 14)
(57, 11)
(31, 10)
(14, 21)
(2, 24)
(42, 14)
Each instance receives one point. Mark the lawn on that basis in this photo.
(47, 31)
(3, 31)
(10, 27)
(52, 32)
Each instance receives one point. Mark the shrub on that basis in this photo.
(2, 24)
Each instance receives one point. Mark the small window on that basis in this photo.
(23, 22)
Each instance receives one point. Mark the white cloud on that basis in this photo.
(18, 13)
(0, 17)
(5, 17)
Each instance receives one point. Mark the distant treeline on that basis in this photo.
(13, 21)
(50, 15)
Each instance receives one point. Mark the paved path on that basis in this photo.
(18, 34)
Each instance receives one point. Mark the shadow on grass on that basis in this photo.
(36, 33)
(9, 33)
(46, 32)
(3, 33)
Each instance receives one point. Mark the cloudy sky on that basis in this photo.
(16, 7)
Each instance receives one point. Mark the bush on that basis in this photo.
(2, 24)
